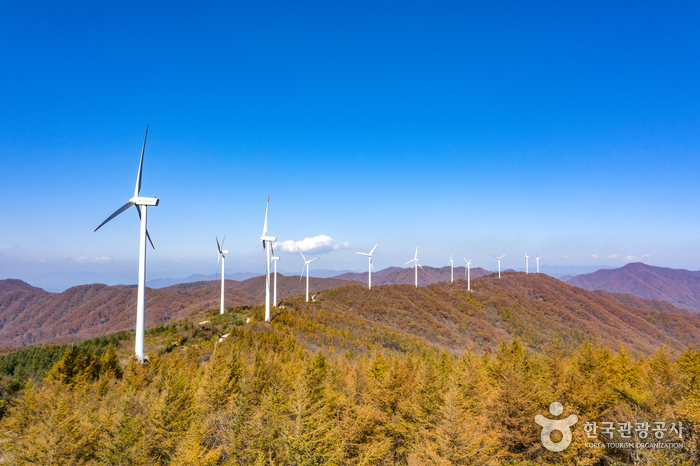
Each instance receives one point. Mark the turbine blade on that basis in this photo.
(119, 211)
(302, 271)
(416, 252)
(138, 177)
(222, 242)
(419, 265)
(256, 247)
(370, 263)
(266, 210)
(375, 247)
(314, 259)
(302, 254)
(218, 259)
(149, 239)
(218, 246)
(362, 253)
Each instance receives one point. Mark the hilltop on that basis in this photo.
(676, 286)
(535, 308)
(405, 276)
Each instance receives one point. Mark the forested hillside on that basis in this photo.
(396, 375)
(30, 315)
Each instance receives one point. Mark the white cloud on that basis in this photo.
(83, 259)
(594, 256)
(320, 244)
(614, 256)
(637, 259)
(565, 257)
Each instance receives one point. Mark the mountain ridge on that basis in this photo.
(679, 287)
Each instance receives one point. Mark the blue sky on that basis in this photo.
(565, 130)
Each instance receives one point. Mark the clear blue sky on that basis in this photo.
(564, 130)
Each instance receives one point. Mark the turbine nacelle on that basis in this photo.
(149, 201)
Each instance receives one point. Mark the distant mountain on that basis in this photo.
(12, 284)
(405, 276)
(31, 315)
(676, 286)
(198, 277)
(562, 271)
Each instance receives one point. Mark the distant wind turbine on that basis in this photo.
(371, 267)
(499, 263)
(274, 295)
(416, 265)
(452, 269)
(538, 263)
(267, 246)
(526, 264)
(467, 272)
(222, 258)
(139, 202)
(306, 266)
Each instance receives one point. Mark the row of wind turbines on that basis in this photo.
(142, 203)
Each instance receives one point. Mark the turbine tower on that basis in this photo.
(267, 245)
(222, 258)
(526, 264)
(139, 202)
(416, 265)
(499, 263)
(467, 272)
(306, 266)
(452, 269)
(274, 294)
(538, 263)
(371, 267)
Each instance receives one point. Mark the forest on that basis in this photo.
(317, 386)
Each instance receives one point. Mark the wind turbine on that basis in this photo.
(526, 264)
(452, 269)
(499, 263)
(371, 267)
(306, 266)
(141, 294)
(416, 265)
(538, 263)
(467, 272)
(274, 295)
(267, 246)
(222, 258)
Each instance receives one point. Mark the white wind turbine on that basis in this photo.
(538, 263)
(141, 294)
(371, 267)
(499, 263)
(306, 266)
(222, 258)
(274, 294)
(267, 246)
(467, 272)
(452, 269)
(526, 264)
(416, 265)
